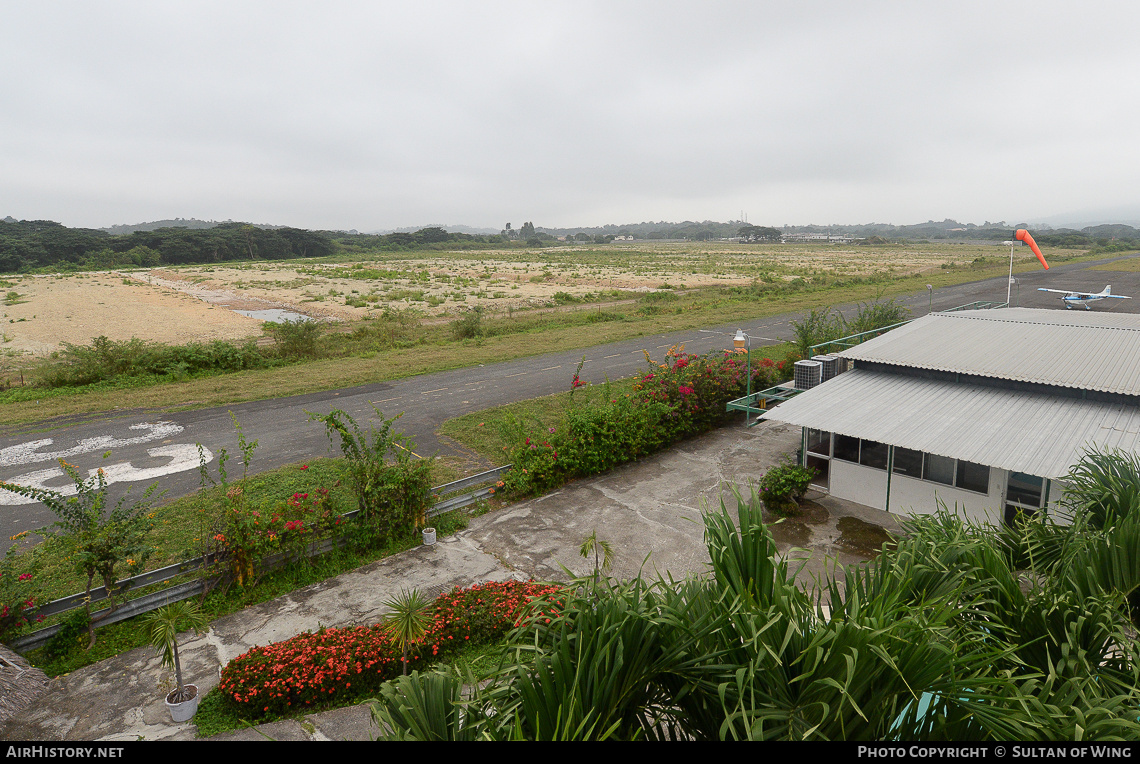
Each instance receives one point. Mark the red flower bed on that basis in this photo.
(329, 664)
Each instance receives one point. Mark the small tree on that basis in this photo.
(163, 627)
(408, 620)
(229, 535)
(100, 541)
(393, 495)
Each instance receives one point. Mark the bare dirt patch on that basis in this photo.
(52, 310)
(185, 303)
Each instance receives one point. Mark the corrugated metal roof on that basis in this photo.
(1035, 433)
(1079, 349)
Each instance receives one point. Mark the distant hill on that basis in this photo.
(190, 223)
(474, 231)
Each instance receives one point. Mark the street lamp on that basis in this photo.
(742, 343)
(929, 298)
(1009, 286)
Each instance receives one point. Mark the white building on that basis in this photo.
(984, 410)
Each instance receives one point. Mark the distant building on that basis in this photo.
(827, 238)
(984, 410)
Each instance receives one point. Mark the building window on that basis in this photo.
(1024, 489)
(908, 462)
(938, 469)
(847, 448)
(819, 442)
(872, 454)
(957, 473)
(973, 477)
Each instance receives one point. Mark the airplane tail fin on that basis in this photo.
(1107, 290)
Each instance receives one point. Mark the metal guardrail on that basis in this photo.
(852, 340)
(186, 590)
(757, 403)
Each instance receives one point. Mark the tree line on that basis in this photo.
(28, 245)
(31, 244)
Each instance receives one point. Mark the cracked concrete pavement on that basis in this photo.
(649, 511)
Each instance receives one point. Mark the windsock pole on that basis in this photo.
(1022, 235)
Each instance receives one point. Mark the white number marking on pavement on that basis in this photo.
(183, 456)
(29, 453)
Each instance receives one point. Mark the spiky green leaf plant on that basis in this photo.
(408, 620)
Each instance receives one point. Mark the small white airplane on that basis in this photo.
(1072, 298)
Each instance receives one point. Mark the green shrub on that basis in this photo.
(470, 326)
(295, 339)
(333, 665)
(105, 541)
(72, 635)
(877, 315)
(392, 486)
(106, 359)
(820, 325)
(600, 430)
(784, 486)
(19, 593)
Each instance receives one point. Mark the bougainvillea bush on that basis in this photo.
(248, 534)
(330, 665)
(679, 398)
(19, 593)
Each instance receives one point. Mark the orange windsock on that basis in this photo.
(1023, 235)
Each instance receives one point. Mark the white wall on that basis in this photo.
(854, 482)
(921, 497)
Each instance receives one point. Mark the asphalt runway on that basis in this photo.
(149, 446)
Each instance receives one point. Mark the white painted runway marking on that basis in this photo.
(550, 368)
(440, 390)
(29, 453)
(516, 375)
(183, 456)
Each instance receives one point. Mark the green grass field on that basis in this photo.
(383, 348)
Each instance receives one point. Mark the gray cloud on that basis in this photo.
(365, 116)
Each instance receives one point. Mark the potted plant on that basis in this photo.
(182, 702)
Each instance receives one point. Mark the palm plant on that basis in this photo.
(1104, 486)
(601, 550)
(408, 620)
(937, 639)
(163, 625)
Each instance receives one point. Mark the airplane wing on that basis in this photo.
(1098, 295)
(1068, 292)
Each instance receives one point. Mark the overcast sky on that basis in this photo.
(375, 115)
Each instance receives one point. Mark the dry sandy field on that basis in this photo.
(181, 304)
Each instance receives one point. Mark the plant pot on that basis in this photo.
(184, 711)
(429, 536)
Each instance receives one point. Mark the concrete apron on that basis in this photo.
(649, 511)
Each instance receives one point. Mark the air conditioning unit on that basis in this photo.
(807, 374)
(830, 364)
